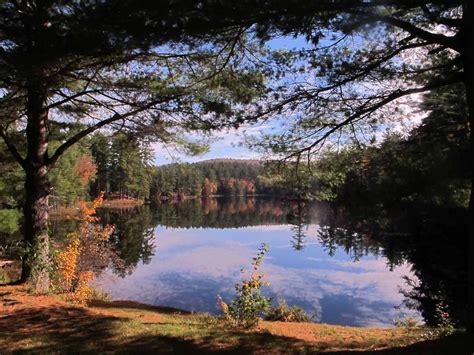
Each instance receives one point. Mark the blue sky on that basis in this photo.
(228, 143)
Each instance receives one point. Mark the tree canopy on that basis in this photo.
(150, 69)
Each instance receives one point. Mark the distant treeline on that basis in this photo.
(209, 178)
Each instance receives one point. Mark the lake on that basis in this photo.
(186, 254)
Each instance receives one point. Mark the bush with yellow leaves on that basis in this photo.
(76, 263)
(249, 304)
(66, 264)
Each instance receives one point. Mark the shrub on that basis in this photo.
(407, 323)
(66, 264)
(99, 295)
(444, 322)
(82, 291)
(249, 304)
(284, 313)
(75, 265)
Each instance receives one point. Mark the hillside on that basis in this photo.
(225, 177)
(231, 161)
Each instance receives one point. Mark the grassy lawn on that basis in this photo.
(45, 324)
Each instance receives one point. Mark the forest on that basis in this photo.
(225, 177)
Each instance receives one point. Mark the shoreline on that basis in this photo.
(46, 323)
(65, 212)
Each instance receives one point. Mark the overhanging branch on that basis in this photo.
(432, 38)
(11, 147)
(116, 117)
(374, 107)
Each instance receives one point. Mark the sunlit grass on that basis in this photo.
(48, 324)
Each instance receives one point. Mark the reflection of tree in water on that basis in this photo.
(221, 213)
(130, 243)
(298, 220)
(132, 237)
(355, 243)
(239, 212)
(433, 241)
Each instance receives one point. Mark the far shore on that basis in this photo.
(124, 203)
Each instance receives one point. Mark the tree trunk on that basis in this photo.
(468, 61)
(36, 262)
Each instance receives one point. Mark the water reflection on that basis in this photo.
(132, 236)
(222, 213)
(346, 265)
(433, 240)
(298, 219)
(183, 255)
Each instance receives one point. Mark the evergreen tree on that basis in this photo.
(153, 68)
(68, 182)
(129, 167)
(100, 150)
(208, 178)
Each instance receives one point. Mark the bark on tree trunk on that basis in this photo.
(468, 61)
(470, 306)
(36, 212)
(36, 263)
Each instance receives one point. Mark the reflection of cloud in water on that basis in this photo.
(341, 309)
(191, 267)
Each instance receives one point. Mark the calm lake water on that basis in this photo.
(184, 255)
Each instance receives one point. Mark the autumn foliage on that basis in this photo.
(76, 264)
(85, 169)
(66, 263)
(209, 187)
(249, 303)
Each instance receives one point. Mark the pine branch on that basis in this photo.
(11, 147)
(116, 117)
(362, 111)
(429, 37)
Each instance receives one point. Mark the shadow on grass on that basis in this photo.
(136, 305)
(49, 329)
(454, 344)
(248, 343)
(69, 329)
(73, 329)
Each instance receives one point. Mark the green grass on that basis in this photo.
(49, 325)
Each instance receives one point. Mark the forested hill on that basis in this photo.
(231, 177)
(231, 161)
